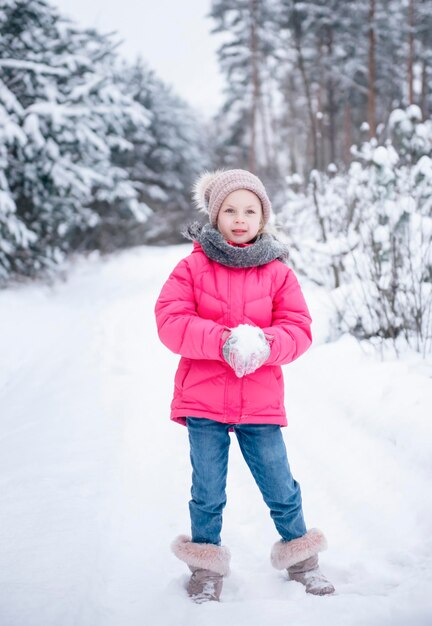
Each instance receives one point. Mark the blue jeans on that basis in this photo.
(264, 451)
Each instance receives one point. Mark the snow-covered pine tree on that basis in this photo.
(62, 119)
(15, 237)
(167, 155)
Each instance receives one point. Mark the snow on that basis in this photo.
(384, 157)
(32, 130)
(40, 68)
(397, 116)
(423, 167)
(414, 113)
(95, 477)
(248, 340)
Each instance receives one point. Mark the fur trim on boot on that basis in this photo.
(205, 556)
(285, 554)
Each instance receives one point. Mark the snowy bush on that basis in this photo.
(369, 235)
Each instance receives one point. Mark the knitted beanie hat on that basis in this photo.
(211, 189)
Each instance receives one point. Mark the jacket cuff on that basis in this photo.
(226, 332)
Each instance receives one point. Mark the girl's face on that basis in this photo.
(240, 217)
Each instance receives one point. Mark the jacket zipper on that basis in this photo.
(229, 300)
(228, 325)
(242, 399)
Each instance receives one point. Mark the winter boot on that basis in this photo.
(204, 585)
(208, 563)
(309, 574)
(299, 557)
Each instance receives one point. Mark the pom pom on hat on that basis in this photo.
(211, 189)
(202, 185)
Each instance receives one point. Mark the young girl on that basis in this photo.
(235, 313)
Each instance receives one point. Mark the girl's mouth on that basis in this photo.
(239, 232)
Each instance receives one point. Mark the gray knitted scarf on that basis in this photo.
(263, 250)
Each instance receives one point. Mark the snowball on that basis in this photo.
(249, 339)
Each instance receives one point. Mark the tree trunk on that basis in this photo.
(425, 45)
(371, 70)
(291, 122)
(255, 84)
(347, 133)
(424, 91)
(410, 52)
(331, 98)
(266, 131)
(320, 107)
(302, 68)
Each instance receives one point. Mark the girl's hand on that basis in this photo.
(257, 359)
(246, 349)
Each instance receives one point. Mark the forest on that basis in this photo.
(330, 103)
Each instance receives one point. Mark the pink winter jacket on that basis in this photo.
(198, 302)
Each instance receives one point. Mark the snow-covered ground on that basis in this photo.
(95, 478)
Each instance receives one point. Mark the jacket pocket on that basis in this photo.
(263, 392)
(182, 373)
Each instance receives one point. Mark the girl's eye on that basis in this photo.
(251, 212)
(229, 210)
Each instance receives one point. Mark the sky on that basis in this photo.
(172, 36)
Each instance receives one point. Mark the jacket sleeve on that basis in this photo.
(290, 333)
(180, 327)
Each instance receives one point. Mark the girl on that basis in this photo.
(235, 313)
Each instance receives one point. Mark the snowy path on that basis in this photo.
(95, 478)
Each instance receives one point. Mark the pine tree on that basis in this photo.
(63, 119)
(167, 155)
